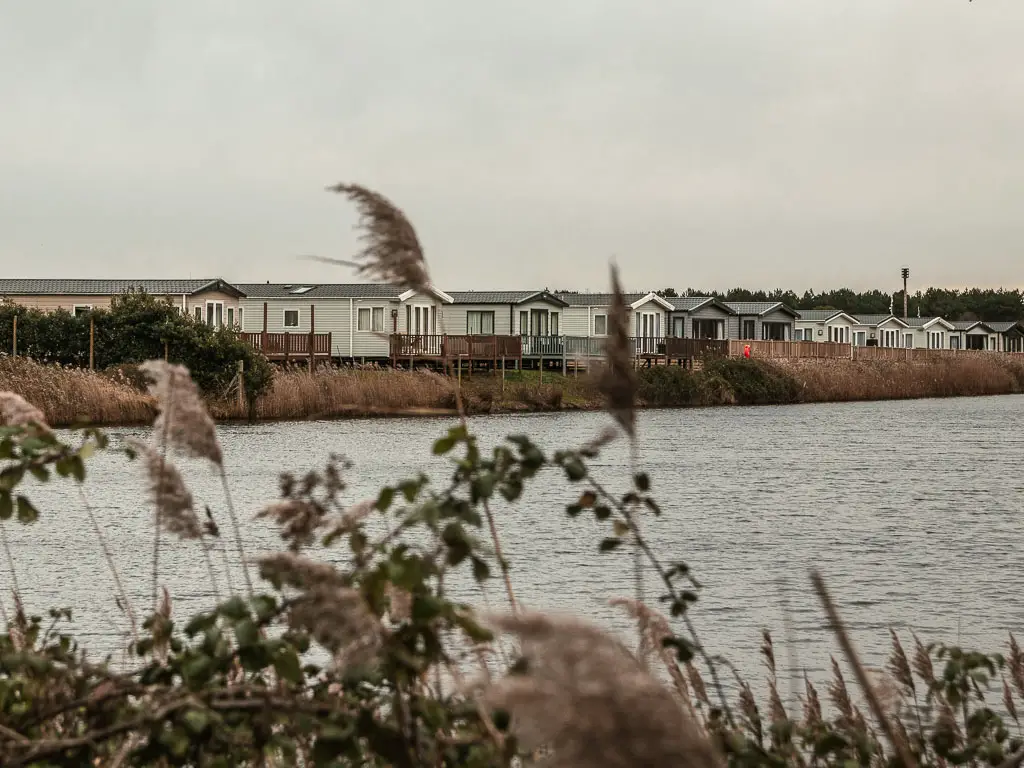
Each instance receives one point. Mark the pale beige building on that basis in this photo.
(214, 301)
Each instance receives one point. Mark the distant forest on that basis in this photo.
(968, 304)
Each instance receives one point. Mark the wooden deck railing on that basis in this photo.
(452, 347)
(287, 345)
(678, 348)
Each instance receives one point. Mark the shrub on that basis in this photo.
(754, 382)
(667, 386)
(137, 327)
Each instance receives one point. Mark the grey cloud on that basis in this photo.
(799, 144)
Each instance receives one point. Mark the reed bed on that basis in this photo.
(330, 392)
(67, 395)
(849, 380)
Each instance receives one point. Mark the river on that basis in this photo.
(911, 510)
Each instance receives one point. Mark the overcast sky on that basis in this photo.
(768, 143)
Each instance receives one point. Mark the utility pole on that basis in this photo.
(906, 274)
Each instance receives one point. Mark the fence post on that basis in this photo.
(167, 351)
(14, 349)
(92, 342)
(502, 374)
(241, 387)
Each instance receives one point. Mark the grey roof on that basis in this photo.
(758, 307)
(502, 297)
(920, 322)
(874, 319)
(820, 315)
(596, 299)
(690, 303)
(62, 287)
(1003, 326)
(966, 325)
(321, 290)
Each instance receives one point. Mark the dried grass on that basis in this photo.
(588, 699)
(848, 380)
(68, 395)
(330, 392)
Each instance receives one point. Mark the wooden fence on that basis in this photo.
(454, 347)
(287, 346)
(790, 349)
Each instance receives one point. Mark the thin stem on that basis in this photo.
(502, 563)
(10, 565)
(209, 568)
(653, 559)
(237, 528)
(901, 747)
(129, 609)
(156, 506)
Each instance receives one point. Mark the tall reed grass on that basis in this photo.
(67, 394)
(848, 380)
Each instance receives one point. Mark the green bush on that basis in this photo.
(754, 382)
(136, 328)
(663, 385)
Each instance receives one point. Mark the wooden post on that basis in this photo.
(14, 349)
(241, 387)
(92, 343)
(502, 374)
(263, 336)
(540, 369)
(312, 308)
(494, 352)
(563, 359)
(459, 371)
(167, 351)
(287, 344)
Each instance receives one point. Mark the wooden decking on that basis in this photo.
(451, 348)
(290, 346)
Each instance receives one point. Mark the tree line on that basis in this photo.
(967, 304)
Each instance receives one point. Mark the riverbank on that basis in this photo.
(67, 395)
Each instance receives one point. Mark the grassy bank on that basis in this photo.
(116, 397)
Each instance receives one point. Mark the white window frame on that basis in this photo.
(604, 317)
(360, 313)
(76, 307)
(284, 318)
(211, 313)
(483, 313)
(238, 315)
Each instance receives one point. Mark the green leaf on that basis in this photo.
(197, 720)
(642, 482)
(385, 498)
(575, 470)
(6, 505)
(443, 445)
(246, 633)
(234, 608)
(39, 472)
(288, 667)
(77, 468)
(11, 477)
(482, 487)
(264, 606)
(26, 512)
(200, 623)
(409, 488)
(607, 545)
(684, 649)
(481, 571)
(601, 512)
(573, 510)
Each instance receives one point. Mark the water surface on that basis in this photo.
(911, 509)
